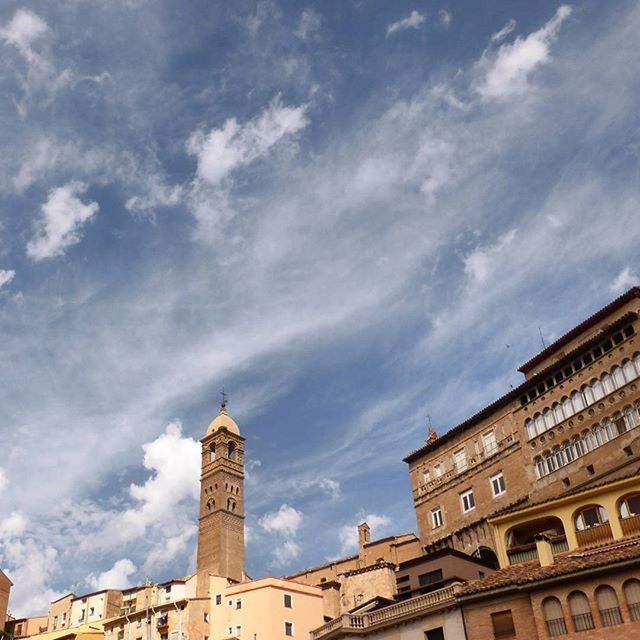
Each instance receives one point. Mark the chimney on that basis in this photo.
(543, 547)
(364, 537)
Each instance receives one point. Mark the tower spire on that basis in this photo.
(223, 403)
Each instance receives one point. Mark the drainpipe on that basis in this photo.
(175, 604)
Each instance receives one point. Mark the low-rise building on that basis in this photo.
(60, 613)
(96, 606)
(25, 627)
(570, 568)
(266, 609)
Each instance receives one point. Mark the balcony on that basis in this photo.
(630, 525)
(162, 622)
(353, 623)
(596, 534)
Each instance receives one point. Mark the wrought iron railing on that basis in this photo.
(583, 621)
(611, 616)
(634, 610)
(556, 627)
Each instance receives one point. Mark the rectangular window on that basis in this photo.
(230, 603)
(489, 442)
(468, 501)
(238, 603)
(426, 476)
(288, 629)
(503, 624)
(206, 617)
(288, 601)
(230, 631)
(430, 577)
(218, 598)
(460, 459)
(436, 517)
(238, 632)
(91, 611)
(437, 470)
(498, 485)
(434, 634)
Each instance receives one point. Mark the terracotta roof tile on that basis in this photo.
(568, 563)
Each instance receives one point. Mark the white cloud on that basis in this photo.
(480, 264)
(506, 72)
(310, 22)
(285, 552)
(115, 578)
(348, 533)
(22, 31)
(412, 21)
(221, 151)
(499, 36)
(286, 521)
(63, 216)
(6, 276)
(445, 18)
(624, 280)
(30, 565)
(4, 481)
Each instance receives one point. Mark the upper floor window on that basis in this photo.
(426, 476)
(238, 603)
(437, 470)
(436, 518)
(630, 506)
(218, 598)
(591, 516)
(489, 442)
(232, 451)
(288, 629)
(468, 500)
(288, 601)
(460, 459)
(498, 484)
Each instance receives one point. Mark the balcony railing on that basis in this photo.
(631, 525)
(349, 623)
(594, 535)
(634, 610)
(556, 627)
(583, 621)
(611, 617)
(523, 553)
(559, 545)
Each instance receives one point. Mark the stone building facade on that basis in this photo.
(5, 590)
(571, 422)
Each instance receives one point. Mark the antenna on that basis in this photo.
(544, 346)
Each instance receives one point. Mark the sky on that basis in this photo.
(357, 216)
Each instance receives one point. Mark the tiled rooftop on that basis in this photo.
(568, 563)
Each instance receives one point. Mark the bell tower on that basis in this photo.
(221, 521)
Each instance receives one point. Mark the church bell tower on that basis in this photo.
(221, 521)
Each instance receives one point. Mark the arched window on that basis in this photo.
(559, 456)
(211, 504)
(212, 452)
(589, 439)
(598, 390)
(580, 611)
(636, 361)
(232, 451)
(630, 506)
(540, 467)
(608, 605)
(619, 424)
(569, 451)
(567, 408)
(579, 447)
(549, 421)
(607, 383)
(577, 401)
(631, 416)
(592, 516)
(531, 428)
(557, 413)
(629, 370)
(551, 463)
(631, 590)
(618, 378)
(587, 393)
(554, 616)
(539, 420)
(231, 505)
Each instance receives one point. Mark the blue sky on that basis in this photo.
(351, 214)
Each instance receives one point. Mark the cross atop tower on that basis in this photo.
(223, 395)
